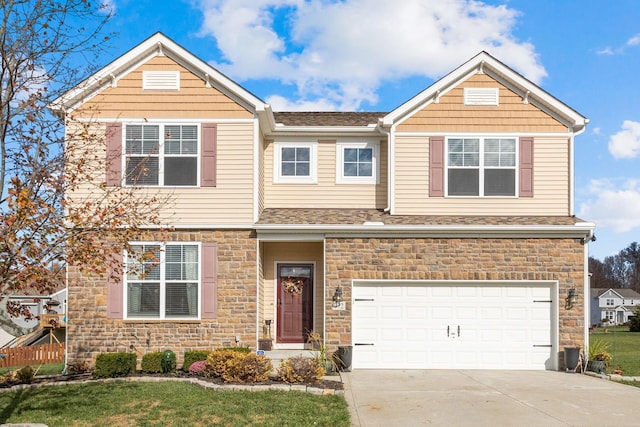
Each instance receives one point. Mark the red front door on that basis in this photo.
(295, 302)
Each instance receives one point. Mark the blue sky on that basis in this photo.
(373, 55)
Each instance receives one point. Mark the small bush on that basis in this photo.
(634, 321)
(301, 370)
(78, 367)
(194, 356)
(152, 363)
(168, 361)
(197, 367)
(218, 360)
(247, 368)
(112, 365)
(245, 350)
(25, 374)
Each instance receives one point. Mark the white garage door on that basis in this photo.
(453, 326)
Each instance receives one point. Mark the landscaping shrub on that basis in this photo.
(218, 360)
(634, 321)
(245, 350)
(197, 367)
(111, 365)
(78, 367)
(25, 374)
(168, 361)
(247, 368)
(301, 370)
(152, 363)
(194, 356)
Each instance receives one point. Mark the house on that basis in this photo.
(615, 305)
(441, 234)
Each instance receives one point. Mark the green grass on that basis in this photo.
(49, 369)
(168, 404)
(624, 347)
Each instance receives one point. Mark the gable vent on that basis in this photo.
(160, 80)
(480, 96)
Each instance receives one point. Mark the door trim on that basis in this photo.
(291, 346)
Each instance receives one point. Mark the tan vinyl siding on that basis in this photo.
(551, 184)
(230, 202)
(282, 252)
(451, 115)
(192, 101)
(326, 193)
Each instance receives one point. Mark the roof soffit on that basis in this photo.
(156, 45)
(487, 64)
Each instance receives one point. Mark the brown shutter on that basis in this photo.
(115, 293)
(114, 154)
(208, 163)
(436, 166)
(526, 166)
(209, 280)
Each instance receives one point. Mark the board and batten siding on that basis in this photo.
(229, 202)
(450, 114)
(192, 101)
(284, 252)
(550, 194)
(325, 193)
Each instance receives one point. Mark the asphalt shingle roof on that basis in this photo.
(327, 118)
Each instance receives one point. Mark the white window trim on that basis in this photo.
(313, 163)
(481, 166)
(162, 281)
(341, 179)
(161, 157)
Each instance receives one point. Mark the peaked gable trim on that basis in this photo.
(156, 45)
(485, 63)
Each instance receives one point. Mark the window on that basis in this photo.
(481, 167)
(610, 302)
(295, 162)
(161, 155)
(357, 163)
(163, 281)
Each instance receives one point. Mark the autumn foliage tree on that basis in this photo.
(47, 48)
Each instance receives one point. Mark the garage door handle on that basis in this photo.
(364, 299)
(542, 345)
(458, 330)
(448, 330)
(363, 343)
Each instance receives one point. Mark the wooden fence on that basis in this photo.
(32, 355)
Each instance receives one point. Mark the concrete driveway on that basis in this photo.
(488, 398)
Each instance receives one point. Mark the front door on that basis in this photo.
(295, 302)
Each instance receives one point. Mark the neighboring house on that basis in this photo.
(438, 235)
(615, 305)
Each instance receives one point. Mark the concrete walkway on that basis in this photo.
(488, 398)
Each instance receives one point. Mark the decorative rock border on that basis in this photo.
(611, 377)
(204, 384)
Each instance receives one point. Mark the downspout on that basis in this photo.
(572, 170)
(390, 162)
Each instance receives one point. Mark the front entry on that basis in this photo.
(295, 302)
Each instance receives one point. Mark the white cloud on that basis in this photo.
(634, 41)
(596, 131)
(623, 194)
(626, 143)
(605, 51)
(337, 53)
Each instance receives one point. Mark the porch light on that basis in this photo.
(572, 298)
(337, 297)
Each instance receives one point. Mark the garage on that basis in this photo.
(454, 325)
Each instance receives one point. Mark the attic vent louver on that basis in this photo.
(160, 80)
(480, 96)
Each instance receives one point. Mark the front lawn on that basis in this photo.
(48, 369)
(624, 347)
(168, 404)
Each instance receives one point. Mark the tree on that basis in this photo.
(55, 209)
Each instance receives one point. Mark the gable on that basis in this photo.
(193, 98)
(448, 112)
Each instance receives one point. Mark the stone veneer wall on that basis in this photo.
(456, 259)
(90, 332)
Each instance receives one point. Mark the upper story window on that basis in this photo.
(481, 167)
(163, 281)
(295, 162)
(609, 302)
(161, 155)
(357, 162)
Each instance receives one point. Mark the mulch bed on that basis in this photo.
(326, 384)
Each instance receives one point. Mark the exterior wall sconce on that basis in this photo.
(336, 302)
(572, 298)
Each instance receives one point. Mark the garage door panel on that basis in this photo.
(414, 326)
